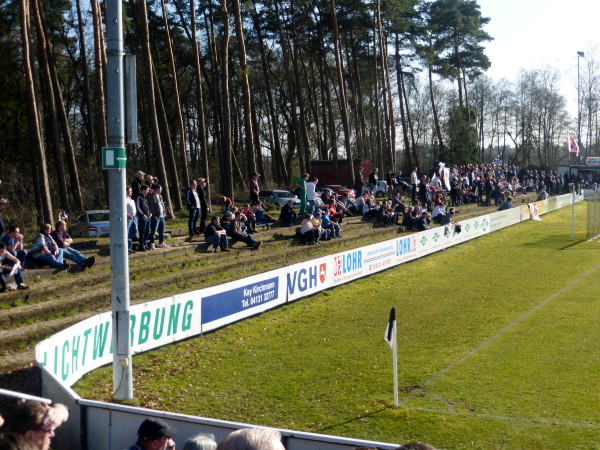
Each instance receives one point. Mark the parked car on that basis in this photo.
(341, 190)
(91, 223)
(380, 189)
(278, 196)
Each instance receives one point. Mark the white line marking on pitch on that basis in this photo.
(505, 418)
(496, 336)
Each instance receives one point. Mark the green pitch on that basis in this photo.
(497, 348)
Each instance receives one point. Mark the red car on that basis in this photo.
(341, 190)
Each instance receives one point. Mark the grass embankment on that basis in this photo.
(497, 349)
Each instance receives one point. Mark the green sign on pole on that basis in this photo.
(114, 158)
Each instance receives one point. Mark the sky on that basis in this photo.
(532, 34)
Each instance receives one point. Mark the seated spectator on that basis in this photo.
(506, 205)
(543, 195)
(288, 216)
(448, 218)
(423, 221)
(202, 441)
(260, 217)
(309, 235)
(64, 240)
(37, 421)
(10, 265)
(333, 227)
(439, 211)
(317, 224)
(45, 250)
(407, 218)
(334, 214)
(155, 434)
(216, 235)
(14, 243)
(384, 216)
(250, 219)
(252, 439)
(237, 233)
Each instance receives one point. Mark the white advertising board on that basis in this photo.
(308, 277)
(501, 219)
(88, 345)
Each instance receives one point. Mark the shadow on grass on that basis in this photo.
(362, 416)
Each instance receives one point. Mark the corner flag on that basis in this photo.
(390, 337)
(573, 147)
(390, 331)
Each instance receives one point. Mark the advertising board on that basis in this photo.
(236, 300)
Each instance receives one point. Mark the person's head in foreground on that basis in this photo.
(156, 434)
(37, 421)
(202, 441)
(415, 446)
(14, 441)
(252, 439)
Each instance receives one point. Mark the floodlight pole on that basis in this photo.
(119, 262)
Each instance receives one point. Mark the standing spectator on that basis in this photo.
(157, 221)
(302, 194)
(155, 434)
(193, 203)
(143, 217)
(204, 203)
(45, 250)
(414, 181)
(14, 243)
(374, 180)
(137, 182)
(3, 201)
(288, 216)
(37, 421)
(131, 220)
(9, 264)
(311, 194)
(214, 234)
(254, 188)
(64, 240)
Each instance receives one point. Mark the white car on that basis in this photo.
(92, 223)
(278, 196)
(380, 190)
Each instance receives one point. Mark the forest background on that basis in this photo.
(227, 88)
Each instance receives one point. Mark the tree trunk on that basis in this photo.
(33, 119)
(280, 166)
(52, 117)
(182, 140)
(438, 130)
(87, 115)
(159, 161)
(173, 180)
(343, 102)
(226, 151)
(407, 148)
(63, 120)
(247, 98)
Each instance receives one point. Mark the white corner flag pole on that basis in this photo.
(390, 337)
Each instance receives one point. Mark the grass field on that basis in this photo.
(497, 348)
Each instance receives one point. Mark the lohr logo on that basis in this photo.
(347, 263)
(406, 246)
(306, 278)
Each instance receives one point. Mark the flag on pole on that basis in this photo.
(573, 147)
(390, 331)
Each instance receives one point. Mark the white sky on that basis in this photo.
(531, 34)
